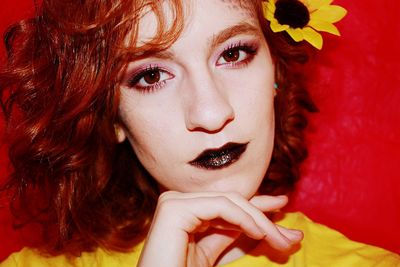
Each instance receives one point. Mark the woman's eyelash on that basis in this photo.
(154, 76)
(249, 48)
(140, 74)
(237, 55)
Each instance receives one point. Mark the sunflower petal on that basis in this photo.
(268, 6)
(313, 37)
(271, 6)
(270, 16)
(324, 27)
(329, 13)
(316, 4)
(268, 11)
(276, 27)
(264, 8)
(296, 34)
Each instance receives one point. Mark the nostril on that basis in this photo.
(210, 130)
(210, 117)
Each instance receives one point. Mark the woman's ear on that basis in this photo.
(119, 133)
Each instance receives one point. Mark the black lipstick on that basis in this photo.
(213, 159)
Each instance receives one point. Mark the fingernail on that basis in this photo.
(263, 233)
(297, 234)
(282, 196)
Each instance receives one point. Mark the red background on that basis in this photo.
(351, 179)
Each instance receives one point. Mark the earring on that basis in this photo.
(276, 86)
(119, 133)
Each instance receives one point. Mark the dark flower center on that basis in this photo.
(292, 12)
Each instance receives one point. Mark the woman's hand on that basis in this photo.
(183, 228)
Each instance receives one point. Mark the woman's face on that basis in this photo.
(199, 115)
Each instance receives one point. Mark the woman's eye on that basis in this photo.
(236, 55)
(232, 55)
(150, 79)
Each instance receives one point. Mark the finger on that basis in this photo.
(192, 209)
(205, 225)
(262, 202)
(269, 203)
(295, 236)
(273, 236)
(176, 219)
(215, 242)
(218, 209)
(223, 225)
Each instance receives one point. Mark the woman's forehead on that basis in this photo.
(239, 4)
(246, 7)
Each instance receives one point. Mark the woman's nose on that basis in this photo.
(208, 107)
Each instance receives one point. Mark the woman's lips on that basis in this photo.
(213, 159)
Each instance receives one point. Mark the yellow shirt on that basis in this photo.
(321, 246)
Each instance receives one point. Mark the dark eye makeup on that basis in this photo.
(153, 77)
(238, 54)
(149, 79)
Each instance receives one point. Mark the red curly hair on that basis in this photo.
(59, 93)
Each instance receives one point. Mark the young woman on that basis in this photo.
(154, 133)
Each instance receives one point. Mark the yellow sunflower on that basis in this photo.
(302, 19)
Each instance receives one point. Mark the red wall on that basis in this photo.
(351, 179)
(10, 240)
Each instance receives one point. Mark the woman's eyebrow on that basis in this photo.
(160, 54)
(215, 40)
(241, 28)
